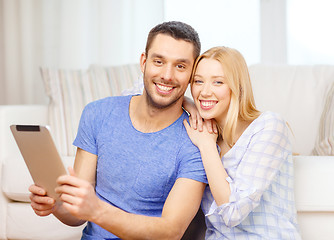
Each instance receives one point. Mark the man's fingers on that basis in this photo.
(41, 199)
(68, 189)
(71, 171)
(70, 180)
(37, 190)
(70, 199)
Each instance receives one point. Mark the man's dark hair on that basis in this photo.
(178, 31)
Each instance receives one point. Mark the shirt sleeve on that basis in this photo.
(86, 136)
(267, 150)
(190, 165)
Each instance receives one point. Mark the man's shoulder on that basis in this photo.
(182, 135)
(106, 102)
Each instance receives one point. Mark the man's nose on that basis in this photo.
(167, 72)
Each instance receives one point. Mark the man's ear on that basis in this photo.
(142, 61)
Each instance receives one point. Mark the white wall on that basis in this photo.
(67, 34)
(222, 23)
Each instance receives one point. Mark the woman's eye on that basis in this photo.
(198, 81)
(219, 82)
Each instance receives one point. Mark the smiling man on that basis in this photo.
(136, 173)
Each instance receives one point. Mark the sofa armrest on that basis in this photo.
(14, 114)
(314, 177)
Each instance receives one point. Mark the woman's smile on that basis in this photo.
(207, 104)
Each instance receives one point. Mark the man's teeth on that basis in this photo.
(208, 103)
(164, 88)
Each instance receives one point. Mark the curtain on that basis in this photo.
(68, 34)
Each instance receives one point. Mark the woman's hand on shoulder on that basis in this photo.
(201, 138)
(195, 119)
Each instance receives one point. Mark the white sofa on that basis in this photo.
(297, 92)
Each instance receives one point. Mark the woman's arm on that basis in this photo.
(215, 171)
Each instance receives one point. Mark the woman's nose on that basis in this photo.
(206, 90)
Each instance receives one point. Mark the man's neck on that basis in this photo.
(145, 118)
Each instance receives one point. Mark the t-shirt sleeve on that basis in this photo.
(190, 165)
(86, 135)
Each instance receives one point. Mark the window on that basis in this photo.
(228, 23)
(310, 35)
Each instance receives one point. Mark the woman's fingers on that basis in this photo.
(196, 122)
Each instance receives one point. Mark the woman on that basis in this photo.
(248, 163)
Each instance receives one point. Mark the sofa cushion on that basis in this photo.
(325, 141)
(296, 92)
(70, 90)
(16, 178)
(23, 223)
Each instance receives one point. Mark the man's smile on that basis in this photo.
(163, 89)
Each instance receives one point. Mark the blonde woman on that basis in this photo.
(248, 163)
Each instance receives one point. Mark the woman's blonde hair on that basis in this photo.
(242, 104)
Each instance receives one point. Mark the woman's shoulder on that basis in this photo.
(271, 121)
(271, 116)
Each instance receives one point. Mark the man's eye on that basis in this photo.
(158, 62)
(180, 66)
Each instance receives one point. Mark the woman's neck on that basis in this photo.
(240, 128)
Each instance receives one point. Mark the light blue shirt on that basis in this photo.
(260, 169)
(135, 170)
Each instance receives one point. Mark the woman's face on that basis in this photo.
(209, 89)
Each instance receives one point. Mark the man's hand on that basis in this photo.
(40, 202)
(78, 196)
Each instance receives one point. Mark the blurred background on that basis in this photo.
(74, 34)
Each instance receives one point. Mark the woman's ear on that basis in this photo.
(142, 61)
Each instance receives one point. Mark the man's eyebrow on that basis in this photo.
(181, 60)
(184, 60)
(156, 55)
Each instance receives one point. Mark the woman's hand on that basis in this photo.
(200, 138)
(195, 119)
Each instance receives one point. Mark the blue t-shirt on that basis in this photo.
(135, 170)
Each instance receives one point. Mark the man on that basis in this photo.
(136, 173)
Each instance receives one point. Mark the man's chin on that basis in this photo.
(160, 102)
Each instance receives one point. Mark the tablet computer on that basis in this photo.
(40, 155)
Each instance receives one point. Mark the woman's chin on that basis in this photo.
(206, 116)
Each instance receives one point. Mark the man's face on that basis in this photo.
(167, 69)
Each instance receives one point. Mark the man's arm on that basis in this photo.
(85, 166)
(80, 200)
(85, 169)
(180, 208)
